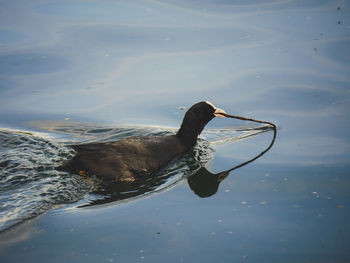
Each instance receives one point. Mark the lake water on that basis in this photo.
(81, 71)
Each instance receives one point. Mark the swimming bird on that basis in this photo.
(130, 158)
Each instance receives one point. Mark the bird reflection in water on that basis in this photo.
(204, 183)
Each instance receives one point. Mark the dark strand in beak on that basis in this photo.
(274, 127)
(224, 114)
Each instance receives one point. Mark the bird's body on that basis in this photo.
(125, 159)
(130, 158)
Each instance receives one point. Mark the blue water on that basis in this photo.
(80, 71)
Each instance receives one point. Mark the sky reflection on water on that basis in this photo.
(123, 62)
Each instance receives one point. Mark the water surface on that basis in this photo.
(74, 71)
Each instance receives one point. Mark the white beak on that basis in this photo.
(218, 113)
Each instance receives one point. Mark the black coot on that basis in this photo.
(129, 158)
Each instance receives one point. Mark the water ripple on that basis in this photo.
(29, 184)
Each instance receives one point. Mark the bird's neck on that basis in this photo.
(188, 133)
